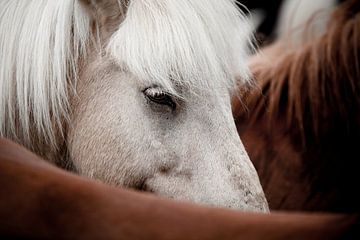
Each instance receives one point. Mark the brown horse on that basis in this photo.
(40, 201)
(301, 126)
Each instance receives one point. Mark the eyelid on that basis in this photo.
(158, 91)
(155, 91)
(159, 96)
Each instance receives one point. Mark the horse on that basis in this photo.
(275, 18)
(300, 124)
(62, 205)
(133, 93)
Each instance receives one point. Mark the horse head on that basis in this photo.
(151, 106)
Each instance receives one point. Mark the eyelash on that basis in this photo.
(159, 96)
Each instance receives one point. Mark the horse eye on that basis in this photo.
(159, 96)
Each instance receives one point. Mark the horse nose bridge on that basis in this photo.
(215, 120)
(223, 141)
(214, 155)
(211, 145)
(211, 138)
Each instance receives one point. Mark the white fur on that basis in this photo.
(39, 57)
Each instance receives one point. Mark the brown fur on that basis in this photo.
(302, 125)
(40, 201)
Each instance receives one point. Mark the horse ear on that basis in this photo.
(108, 14)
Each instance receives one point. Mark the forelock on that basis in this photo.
(200, 44)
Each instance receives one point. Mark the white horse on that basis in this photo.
(303, 17)
(133, 93)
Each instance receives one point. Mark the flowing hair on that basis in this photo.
(311, 83)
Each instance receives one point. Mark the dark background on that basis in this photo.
(271, 9)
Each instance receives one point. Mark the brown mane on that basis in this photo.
(301, 125)
(315, 81)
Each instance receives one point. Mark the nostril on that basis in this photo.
(146, 188)
(143, 186)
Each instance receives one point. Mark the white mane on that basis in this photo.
(40, 43)
(198, 43)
